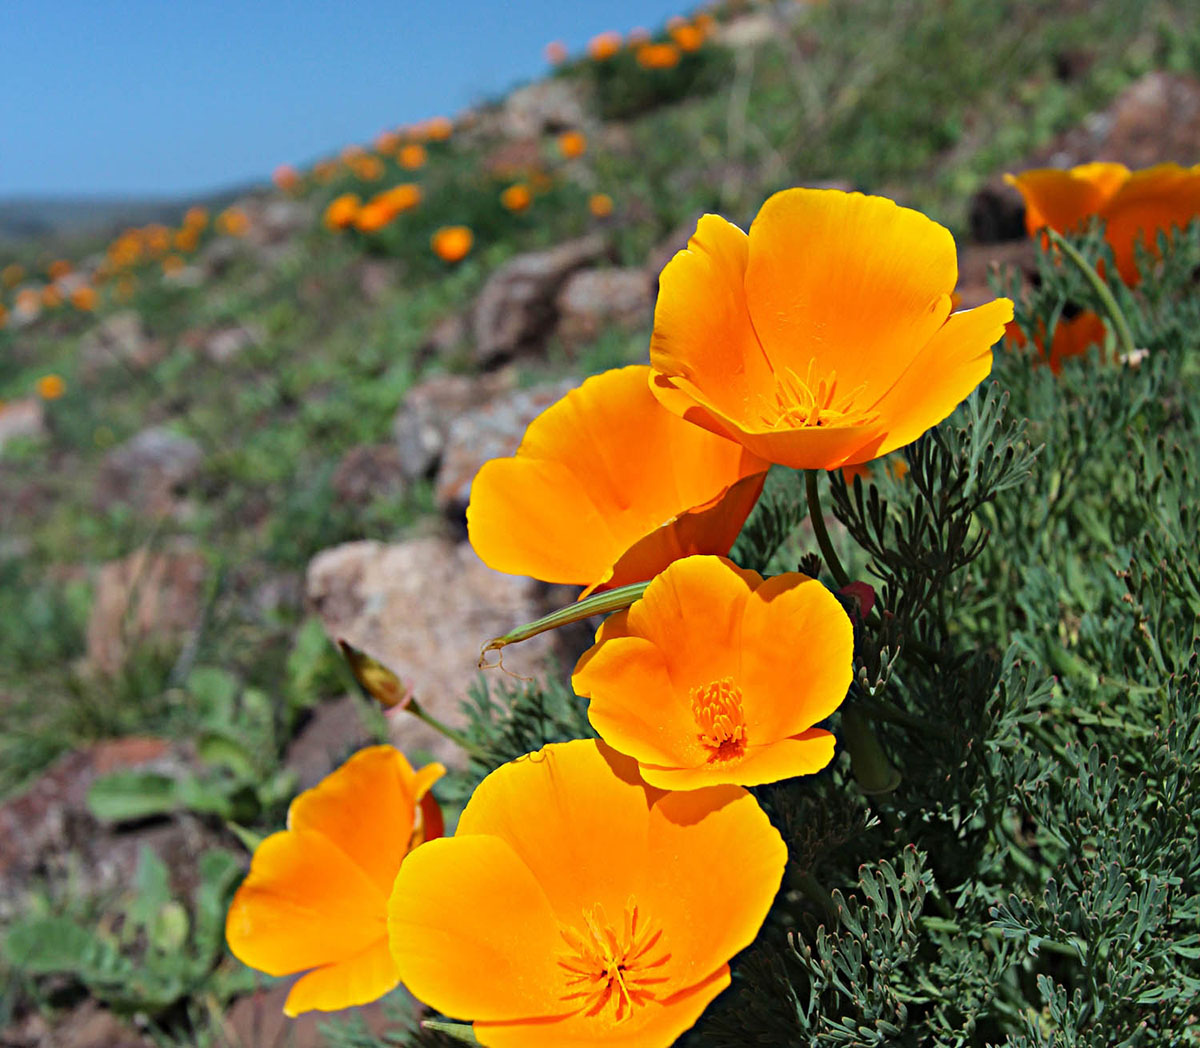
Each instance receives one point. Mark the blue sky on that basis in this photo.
(170, 97)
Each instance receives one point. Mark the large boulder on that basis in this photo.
(592, 300)
(424, 608)
(516, 311)
(544, 107)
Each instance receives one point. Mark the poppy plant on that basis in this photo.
(315, 899)
(600, 205)
(572, 144)
(1135, 205)
(607, 488)
(658, 56)
(516, 197)
(411, 156)
(824, 337)
(1072, 338)
(604, 46)
(717, 675)
(342, 211)
(50, 387)
(452, 243)
(576, 905)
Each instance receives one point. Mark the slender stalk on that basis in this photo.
(1119, 323)
(818, 524)
(597, 604)
(456, 737)
(872, 770)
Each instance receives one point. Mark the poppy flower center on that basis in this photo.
(612, 969)
(717, 708)
(799, 403)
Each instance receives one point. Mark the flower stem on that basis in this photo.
(1119, 323)
(870, 766)
(598, 604)
(822, 533)
(456, 737)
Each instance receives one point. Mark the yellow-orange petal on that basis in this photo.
(856, 284)
(1159, 198)
(472, 933)
(1063, 200)
(781, 759)
(304, 904)
(702, 327)
(367, 808)
(952, 364)
(360, 979)
(783, 612)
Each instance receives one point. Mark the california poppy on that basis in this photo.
(58, 269)
(1135, 205)
(658, 56)
(572, 144)
(608, 488)
(411, 156)
(83, 298)
(286, 177)
(556, 52)
(315, 899)
(373, 216)
(402, 197)
(717, 675)
(50, 387)
(195, 218)
(600, 205)
(576, 905)
(342, 210)
(452, 243)
(12, 274)
(233, 222)
(604, 45)
(688, 37)
(437, 128)
(822, 338)
(516, 197)
(51, 296)
(1073, 337)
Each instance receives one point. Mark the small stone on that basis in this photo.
(149, 471)
(21, 418)
(119, 339)
(224, 344)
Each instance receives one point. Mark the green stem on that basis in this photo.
(1119, 323)
(822, 533)
(870, 766)
(598, 604)
(456, 737)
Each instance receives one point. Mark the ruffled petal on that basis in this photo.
(360, 979)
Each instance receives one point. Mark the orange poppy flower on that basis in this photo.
(373, 216)
(437, 128)
(173, 264)
(51, 296)
(1072, 338)
(286, 177)
(600, 205)
(195, 218)
(658, 56)
(315, 899)
(604, 45)
(576, 905)
(387, 142)
(411, 156)
(50, 387)
(402, 197)
(824, 337)
(342, 211)
(58, 269)
(555, 52)
(516, 197)
(367, 167)
(572, 144)
(452, 243)
(187, 239)
(1135, 205)
(233, 222)
(717, 676)
(28, 301)
(83, 298)
(12, 275)
(639, 35)
(607, 488)
(688, 37)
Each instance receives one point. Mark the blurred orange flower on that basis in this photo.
(604, 45)
(452, 243)
(233, 222)
(1135, 205)
(572, 144)
(28, 300)
(402, 197)
(84, 298)
(157, 239)
(438, 128)
(12, 275)
(1072, 338)
(387, 142)
(368, 167)
(718, 676)
(658, 56)
(51, 296)
(600, 205)
(286, 177)
(823, 338)
(58, 269)
(575, 905)
(186, 239)
(315, 899)
(516, 197)
(412, 156)
(608, 488)
(3, 314)
(342, 211)
(373, 216)
(688, 37)
(50, 387)
(556, 52)
(195, 218)
(173, 264)
(639, 35)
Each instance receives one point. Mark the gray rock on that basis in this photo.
(544, 107)
(594, 299)
(21, 418)
(148, 471)
(369, 472)
(119, 339)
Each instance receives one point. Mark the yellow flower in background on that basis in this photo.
(824, 337)
(315, 899)
(577, 906)
(452, 243)
(50, 387)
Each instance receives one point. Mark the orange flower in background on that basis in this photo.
(157, 239)
(638, 35)
(1135, 205)
(688, 37)
(412, 156)
(718, 676)
(373, 216)
(12, 274)
(387, 142)
(604, 45)
(286, 177)
(705, 23)
(28, 301)
(1072, 338)
(187, 239)
(555, 52)
(83, 298)
(368, 167)
(195, 218)
(315, 899)
(233, 222)
(402, 197)
(658, 56)
(608, 488)
(572, 144)
(576, 905)
(600, 205)
(50, 387)
(58, 269)
(351, 153)
(516, 197)
(173, 264)
(342, 211)
(452, 243)
(51, 296)
(823, 338)
(438, 128)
